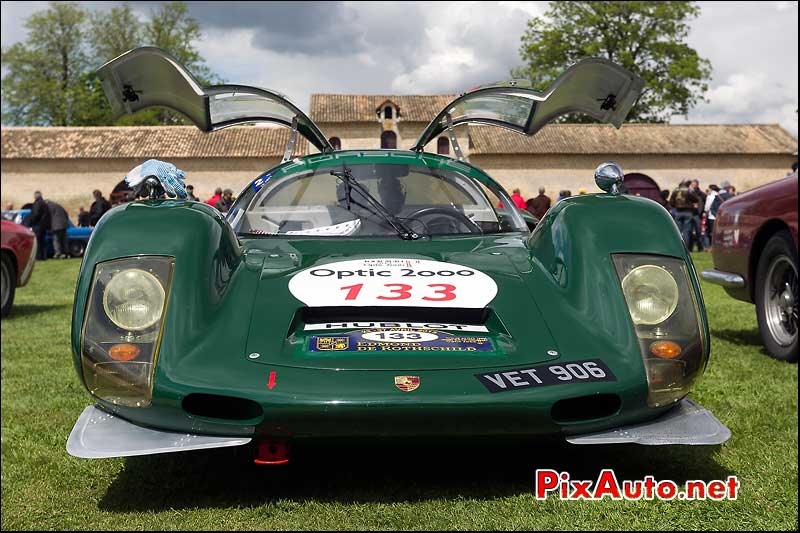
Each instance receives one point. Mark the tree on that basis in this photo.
(114, 32)
(51, 81)
(43, 86)
(647, 38)
(172, 29)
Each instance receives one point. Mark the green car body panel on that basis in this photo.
(238, 355)
(559, 299)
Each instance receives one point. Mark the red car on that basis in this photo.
(755, 259)
(17, 256)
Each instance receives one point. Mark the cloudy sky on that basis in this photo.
(446, 47)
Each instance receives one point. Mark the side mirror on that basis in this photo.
(608, 176)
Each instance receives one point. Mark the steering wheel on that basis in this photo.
(448, 212)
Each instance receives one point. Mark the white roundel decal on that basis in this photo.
(393, 282)
(399, 336)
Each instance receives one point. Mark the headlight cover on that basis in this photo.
(652, 294)
(122, 328)
(133, 299)
(665, 311)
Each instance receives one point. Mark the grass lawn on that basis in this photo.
(463, 486)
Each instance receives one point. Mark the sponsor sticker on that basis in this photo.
(399, 336)
(260, 181)
(329, 326)
(590, 370)
(330, 344)
(389, 341)
(393, 282)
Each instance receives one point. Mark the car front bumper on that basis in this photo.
(730, 280)
(98, 434)
(28, 268)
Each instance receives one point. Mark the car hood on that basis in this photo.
(467, 296)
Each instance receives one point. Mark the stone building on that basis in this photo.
(376, 121)
(564, 156)
(66, 164)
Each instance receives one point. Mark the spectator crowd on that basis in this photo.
(693, 209)
(48, 217)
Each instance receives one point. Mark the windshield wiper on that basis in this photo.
(351, 183)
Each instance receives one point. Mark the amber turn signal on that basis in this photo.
(123, 352)
(665, 349)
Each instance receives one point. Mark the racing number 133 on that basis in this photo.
(400, 291)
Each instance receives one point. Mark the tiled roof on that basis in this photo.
(362, 108)
(189, 142)
(144, 141)
(636, 139)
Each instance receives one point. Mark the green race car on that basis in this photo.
(384, 293)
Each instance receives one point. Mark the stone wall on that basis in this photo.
(557, 172)
(71, 181)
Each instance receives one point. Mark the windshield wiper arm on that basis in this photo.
(351, 183)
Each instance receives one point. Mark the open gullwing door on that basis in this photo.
(596, 87)
(148, 76)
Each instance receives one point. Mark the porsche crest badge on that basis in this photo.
(406, 383)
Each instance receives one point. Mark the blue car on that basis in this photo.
(77, 237)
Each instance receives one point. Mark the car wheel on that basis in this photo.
(8, 284)
(76, 248)
(776, 297)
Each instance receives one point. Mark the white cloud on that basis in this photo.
(467, 44)
(366, 59)
(753, 51)
(741, 93)
(446, 47)
(295, 75)
(445, 62)
(751, 98)
(531, 9)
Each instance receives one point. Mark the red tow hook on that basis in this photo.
(272, 452)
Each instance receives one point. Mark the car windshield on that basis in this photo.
(424, 200)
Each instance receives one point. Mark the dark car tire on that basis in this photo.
(76, 248)
(8, 272)
(777, 269)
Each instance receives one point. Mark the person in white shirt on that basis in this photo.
(713, 202)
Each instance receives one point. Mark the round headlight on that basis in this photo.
(134, 299)
(651, 293)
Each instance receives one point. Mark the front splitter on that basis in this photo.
(686, 424)
(98, 434)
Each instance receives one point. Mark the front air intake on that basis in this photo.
(448, 315)
(585, 408)
(221, 407)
